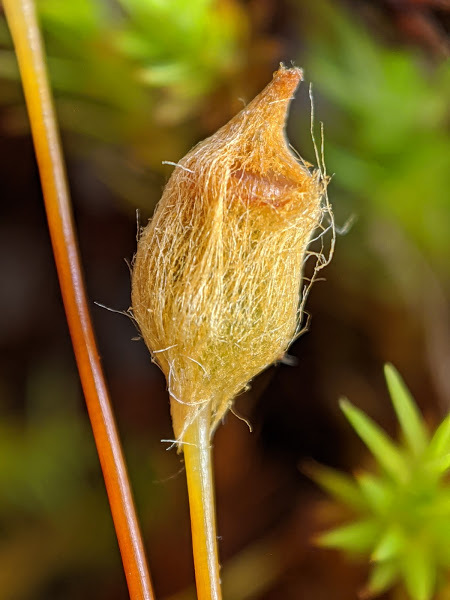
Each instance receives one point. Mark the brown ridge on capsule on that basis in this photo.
(270, 189)
(252, 147)
(217, 274)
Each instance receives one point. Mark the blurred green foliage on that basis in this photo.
(127, 74)
(54, 514)
(402, 510)
(130, 75)
(133, 46)
(386, 127)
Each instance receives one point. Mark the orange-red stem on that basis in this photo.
(22, 20)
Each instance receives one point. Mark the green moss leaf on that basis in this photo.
(419, 572)
(403, 523)
(340, 486)
(381, 578)
(380, 444)
(440, 442)
(410, 420)
(358, 537)
(390, 545)
(377, 492)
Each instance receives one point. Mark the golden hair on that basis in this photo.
(217, 274)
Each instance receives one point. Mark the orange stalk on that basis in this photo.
(22, 21)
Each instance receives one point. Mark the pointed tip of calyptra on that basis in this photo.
(271, 105)
(284, 82)
(287, 79)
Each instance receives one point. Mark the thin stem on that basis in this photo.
(22, 20)
(198, 461)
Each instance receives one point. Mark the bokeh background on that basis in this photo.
(138, 82)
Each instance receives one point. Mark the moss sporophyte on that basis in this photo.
(402, 510)
(217, 274)
(218, 270)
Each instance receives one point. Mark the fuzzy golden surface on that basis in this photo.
(217, 274)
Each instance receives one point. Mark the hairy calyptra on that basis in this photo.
(217, 274)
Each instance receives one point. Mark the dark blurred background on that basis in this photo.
(138, 82)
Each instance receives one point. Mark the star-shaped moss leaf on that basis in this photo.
(402, 509)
